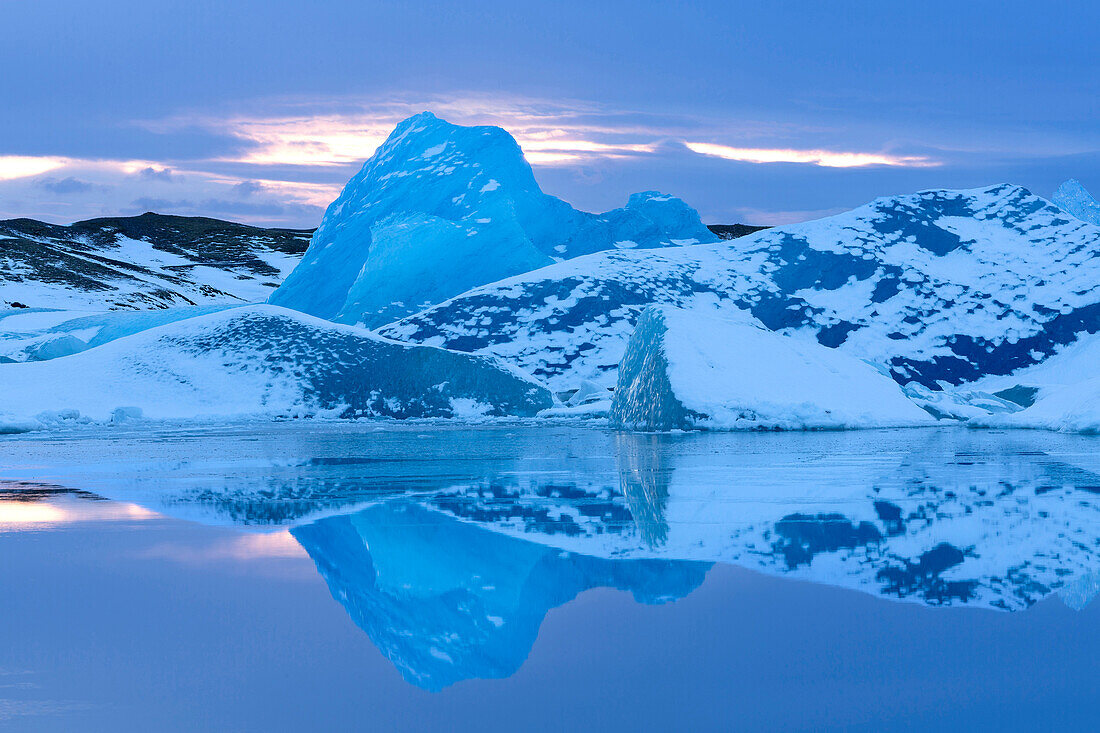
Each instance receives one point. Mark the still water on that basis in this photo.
(418, 577)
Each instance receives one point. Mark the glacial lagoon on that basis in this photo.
(422, 576)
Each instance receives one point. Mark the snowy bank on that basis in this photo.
(685, 370)
(1060, 393)
(263, 361)
(1071, 408)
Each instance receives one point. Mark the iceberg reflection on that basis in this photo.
(447, 600)
(448, 552)
(454, 584)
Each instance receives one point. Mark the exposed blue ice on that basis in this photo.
(442, 208)
(1073, 198)
(41, 334)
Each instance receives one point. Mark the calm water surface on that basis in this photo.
(415, 577)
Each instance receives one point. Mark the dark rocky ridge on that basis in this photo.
(734, 231)
(51, 265)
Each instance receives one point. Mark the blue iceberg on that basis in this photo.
(1074, 199)
(442, 208)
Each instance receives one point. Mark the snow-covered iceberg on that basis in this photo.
(1073, 198)
(264, 361)
(442, 208)
(685, 370)
(937, 286)
(1071, 408)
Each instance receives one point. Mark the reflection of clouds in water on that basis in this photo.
(12, 708)
(449, 547)
(19, 516)
(242, 548)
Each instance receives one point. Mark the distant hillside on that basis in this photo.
(139, 262)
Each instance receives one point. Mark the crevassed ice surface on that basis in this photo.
(263, 360)
(1073, 198)
(692, 369)
(442, 208)
(935, 286)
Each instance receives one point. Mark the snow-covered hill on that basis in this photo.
(935, 286)
(442, 208)
(141, 262)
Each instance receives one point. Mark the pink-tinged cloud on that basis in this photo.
(25, 166)
(824, 158)
(242, 548)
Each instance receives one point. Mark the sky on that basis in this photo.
(757, 112)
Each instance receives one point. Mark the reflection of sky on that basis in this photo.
(21, 516)
(98, 634)
(319, 576)
(758, 112)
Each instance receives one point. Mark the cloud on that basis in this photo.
(825, 158)
(24, 166)
(248, 188)
(157, 174)
(288, 158)
(64, 186)
(233, 208)
(340, 130)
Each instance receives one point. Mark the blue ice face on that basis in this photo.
(1073, 198)
(442, 208)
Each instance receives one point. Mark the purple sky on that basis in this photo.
(763, 112)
